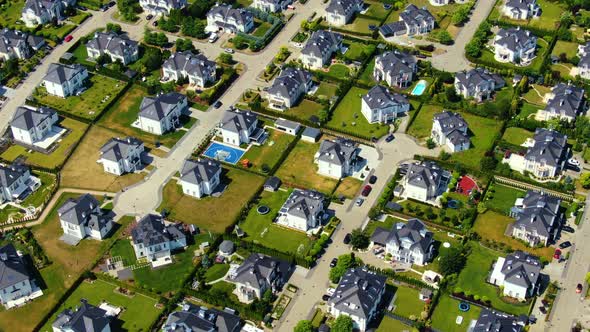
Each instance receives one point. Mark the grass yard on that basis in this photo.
(366, 77)
(347, 116)
(57, 157)
(358, 51)
(82, 170)
(299, 170)
(549, 19)
(216, 271)
(81, 55)
(536, 93)
(376, 10)
(261, 29)
(79, 17)
(349, 187)
(446, 312)
(59, 31)
(326, 90)
(212, 213)
(11, 11)
(516, 136)
(339, 71)
(503, 198)
(407, 302)
(389, 324)
(361, 25)
(305, 109)
(270, 152)
(527, 110)
(570, 49)
(387, 224)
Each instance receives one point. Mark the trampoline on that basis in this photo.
(263, 209)
(463, 306)
(225, 153)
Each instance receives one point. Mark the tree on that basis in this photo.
(193, 28)
(473, 48)
(359, 239)
(444, 37)
(430, 143)
(112, 27)
(488, 163)
(345, 262)
(184, 45)
(585, 180)
(461, 15)
(453, 260)
(152, 59)
(451, 94)
(226, 58)
(128, 9)
(303, 326)
(342, 324)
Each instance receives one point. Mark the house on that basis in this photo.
(521, 9)
(272, 184)
(396, 68)
(287, 126)
(116, 47)
(425, 294)
(564, 102)
(341, 12)
(39, 12)
(424, 182)
(319, 49)
(226, 248)
(119, 156)
(82, 216)
(154, 239)
(337, 158)
(478, 84)
(303, 210)
(518, 274)
(240, 127)
(30, 126)
(496, 321)
(65, 80)
(270, 6)
(257, 274)
(199, 70)
(288, 88)
(17, 284)
(583, 67)
(407, 242)
(160, 114)
(20, 45)
(358, 295)
(161, 7)
(537, 218)
(16, 182)
(450, 129)
(515, 45)
(547, 155)
(379, 105)
(228, 19)
(311, 135)
(412, 21)
(199, 177)
(192, 318)
(83, 318)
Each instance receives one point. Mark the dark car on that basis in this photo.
(334, 262)
(149, 17)
(373, 179)
(112, 4)
(389, 138)
(217, 104)
(372, 27)
(565, 244)
(366, 190)
(579, 288)
(421, 56)
(347, 238)
(568, 229)
(155, 23)
(325, 297)
(82, 8)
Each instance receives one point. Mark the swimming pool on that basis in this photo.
(225, 153)
(419, 88)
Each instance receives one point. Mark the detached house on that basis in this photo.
(537, 218)
(583, 67)
(200, 177)
(412, 21)
(450, 129)
(565, 101)
(81, 217)
(119, 156)
(38, 12)
(116, 47)
(478, 84)
(16, 182)
(199, 70)
(154, 239)
(396, 68)
(337, 158)
(521, 9)
(341, 12)
(424, 182)
(17, 284)
(161, 7)
(407, 242)
(240, 127)
(379, 105)
(194, 318)
(518, 274)
(303, 210)
(257, 274)
(515, 45)
(30, 126)
(65, 80)
(228, 19)
(271, 6)
(547, 156)
(319, 49)
(160, 114)
(358, 295)
(15, 44)
(83, 318)
(288, 88)
(495, 321)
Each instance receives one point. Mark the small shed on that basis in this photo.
(272, 184)
(289, 127)
(226, 248)
(311, 134)
(393, 206)
(425, 294)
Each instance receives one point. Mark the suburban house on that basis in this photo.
(496, 321)
(82, 216)
(319, 49)
(160, 114)
(20, 45)
(396, 68)
(521, 9)
(270, 6)
(303, 210)
(515, 45)
(537, 218)
(358, 295)
(546, 156)
(199, 177)
(424, 182)
(16, 182)
(478, 84)
(583, 67)
(379, 105)
(240, 127)
(564, 102)
(185, 65)
(17, 284)
(228, 19)
(407, 242)
(257, 274)
(288, 88)
(119, 156)
(518, 274)
(161, 7)
(154, 239)
(412, 21)
(193, 318)
(30, 126)
(65, 80)
(451, 130)
(341, 12)
(117, 47)
(83, 318)
(39, 12)
(337, 158)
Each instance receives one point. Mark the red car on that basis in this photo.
(366, 190)
(68, 38)
(557, 254)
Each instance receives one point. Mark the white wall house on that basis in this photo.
(521, 9)
(424, 182)
(161, 114)
(451, 130)
(337, 158)
(538, 218)
(319, 49)
(199, 70)
(478, 84)
(17, 285)
(288, 88)
(116, 47)
(564, 102)
(341, 12)
(29, 126)
(82, 217)
(65, 80)
(120, 156)
(407, 242)
(16, 44)
(228, 19)
(303, 210)
(16, 182)
(379, 105)
(38, 12)
(518, 274)
(238, 127)
(412, 21)
(154, 239)
(546, 156)
(515, 45)
(396, 68)
(161, 7)
(271, 6)
(200, 177)
(583, 68)
(258, 274)
(84, 318)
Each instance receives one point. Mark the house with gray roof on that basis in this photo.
(199, 70)
(319, 49)
(271, 6)
(515, 45)
(84, 318)
(478, 84)
(397, 68)
(15, 44)
(117, 47)
(564, 102)
(82, 217)
(424, 182)
(240, 127)
(407, 242)
(358, 296)
(451, 130)
(161, 7)
(161, 114)
(379, 105)
(583, 67)
(311, 134)
(521, 9)
(257, 274)
(200, 177)
(341, 12)
(518, 274)
(547, 154)
(228, 19)
(193, 318)
(496, 321)
(537, 218)
(288, 88)
(39, 12)
(337, 158)
(121, 155)
(154, 239)
(17, 284)
(412, 21)
(30, 126)
(303, 210)
(16, 182)
(65, 80)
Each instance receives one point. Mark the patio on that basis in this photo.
(51, 137)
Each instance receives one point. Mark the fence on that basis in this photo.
(528, 186)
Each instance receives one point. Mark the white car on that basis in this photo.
(359, 201)
(574, 162)
(213, 37)
(229, 50)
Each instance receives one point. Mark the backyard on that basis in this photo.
(360, 25)
(516, 136)
(501, 198)
(407, 302)
(564, 47)
(270, 152)
(389, 324)
(358, 51)
(326, 90)
(527, 110)
(446, 312)
(536, 93)
(305, 110)
(549, 19)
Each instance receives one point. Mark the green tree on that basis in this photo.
(444, 37)
(342, 324)
(453, 260)
(345, 262)
(184, 44)
(359, 239)
(488, 163)
(585, 180)
(226, 58)
(112, 27)
(461, 15)
(451, 94)
(430, 143)
(303, 326)
(473, 48)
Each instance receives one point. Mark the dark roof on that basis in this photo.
(85, 318)
(514, 38)
(10, 39)
(78, 210)
(273, 182)
(539, 213)
(115, 44)
(39, 7)
(199, 171)
(60, 73)
(357, 292)
(257, 270)
(453, 126)
(424, 175)
(478, 77)
(10, 174)
(196, 319)
(521, 268)
(304, 203)
(236, 121)
(194, 64)
(567, 100)
(391, 29)
(396, 62)
(13, 269)
(116, 149)
(287, 84)
(311, 132)
(411, 236)
(339, 151)
(495, 321)
(287, 124)
(151, 230)
(520, 4)
(343, 7)
(157, 108)
(413, 15)
(26, 118)
(380, 97)
(321, 43)
(380, 236)
(240, 15)
(549, 147)
(227, 247)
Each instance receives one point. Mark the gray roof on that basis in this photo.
(39, 7)
(391, 29)
(380, 236)
(343, 7)
(311, 132)
(495, 321)
(257, 270)
(539, 212)
(550, 147)
(411, 236)
(151, 230)
(81, 211)
(321, 43)
(453, 126)
(380, 97)
(287, 84)
(240, 15)
(287, 124)
(304, 203)
(201, 319)
(584, 60)
(26, 118)
(339, 151)
(116, 44)
(424, 175)
(357, 292)
(85, 318)
(413, 15)
(199, 171)
(227, 247)
(567, 100)
(236, 121)
(12, 267)
(10, 174)
(157, 108)
(273, 182)
(520, 4)
(478, 76)
(514, 38)
(521, 269)
(117, 149)
(194, 64)
(59, 73)
(10, 39)
(396, 63)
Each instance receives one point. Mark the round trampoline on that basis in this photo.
(263, 209)
(453, 204)
(463, 306)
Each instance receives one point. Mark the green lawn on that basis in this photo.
(407, 302)
(376, 10)
(356, 50)
(216, 271)
(11, 12)
(516, 136)
(339, 71)
(270, 152)
(348, 117)
(361, 25)
(326, 90)
(348, 187)
(549, 19)
(387, 224)
(570, 49)
(536, 94)
(527, 110)
(305, 109)
(81, 55)
(79, 17)
(446, 312)
(389, 325)
(502, 198)
(366, 77)
(261, 29)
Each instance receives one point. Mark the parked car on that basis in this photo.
(325, 297)
(568, 229)
(421, 56)
(389, 138)
(112, 4)
(82, 8)
(217, 104)
(565, 244)
(557, 254)
(543, 310)
(373, 179)
(359, 201)
(68, 38)
(366, 190)
(347, 238)
(149, 17)
(579, 288)
(229, 50)
(573, 162)
(334, 262)
(213, 37)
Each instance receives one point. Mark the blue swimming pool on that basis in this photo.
(225, 153)
(419, 88)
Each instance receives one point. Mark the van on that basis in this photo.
(213, 37)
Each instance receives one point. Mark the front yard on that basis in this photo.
(446, 313)
(269, 154)
(549, 19)
(349, 187)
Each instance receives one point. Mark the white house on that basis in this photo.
(515, 45)
(341, 12)
(17, 284)
(83, 318)
(257, 274)
(154, 239)
(199, 70)
(521, 9)
(518, 274)
(194, 318)
(36, 12)
(407, 242)
(303, 210)
(537, 218)
(451, 130)
(477, 83)
(120, 156)
(228, 19)
(240, 127)
(30, 126)
(16, 182)
(65, 80)
(412, 21)
(396, 68)
(319, 49)
(583, 67)
(82, 216)
(20, 45)
(161, 7)
(116, 47)
(564, 102)
(379, 105)
(337, 158)
(288, 88)
(271, 6)
(199, 177)
(424, 182)
(546, 156)
(161, 114)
